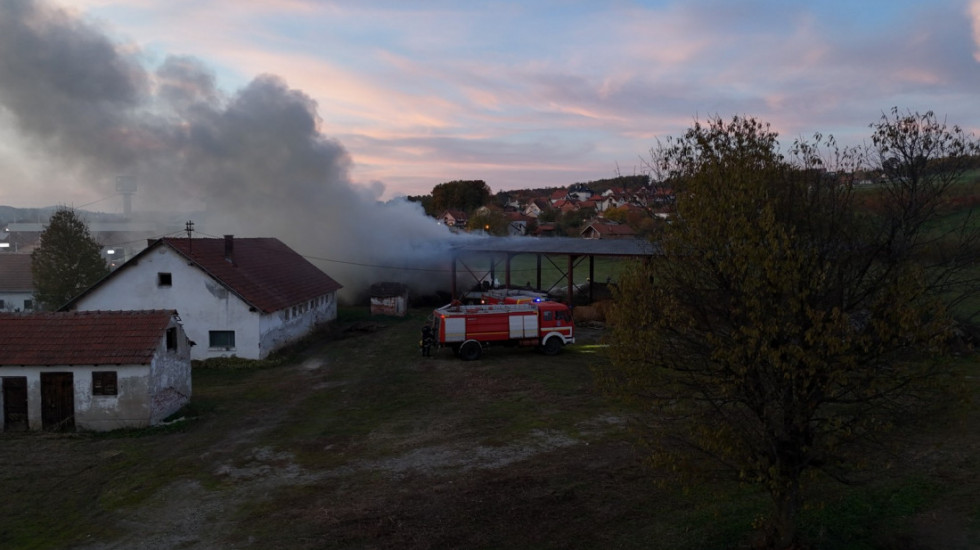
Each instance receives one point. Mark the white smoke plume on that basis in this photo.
(256, 160)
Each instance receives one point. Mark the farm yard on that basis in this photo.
(353, 440)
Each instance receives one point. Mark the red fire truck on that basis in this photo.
(467, 329)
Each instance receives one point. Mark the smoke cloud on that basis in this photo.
(257, 161)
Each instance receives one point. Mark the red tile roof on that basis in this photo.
(610, 230)
(15, 273)
(263, 272)
(81, 337)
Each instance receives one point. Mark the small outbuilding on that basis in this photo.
(92, 370)
(389, 299)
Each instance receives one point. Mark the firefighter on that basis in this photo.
(426, 343)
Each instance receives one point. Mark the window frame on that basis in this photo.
(105, 383)
(172, 339)
(214, 335)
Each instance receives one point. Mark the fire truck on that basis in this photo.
(467, 329)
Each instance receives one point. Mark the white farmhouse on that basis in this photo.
(245, 297)
(93, 370)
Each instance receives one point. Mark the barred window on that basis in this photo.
(104, 383)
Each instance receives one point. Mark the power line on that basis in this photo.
(95, 201)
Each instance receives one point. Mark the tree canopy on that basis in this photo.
(465, 195)
(489, 220)
(66, 262)
(788, 325)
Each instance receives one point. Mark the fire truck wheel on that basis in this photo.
(552, 346)
(470, 351)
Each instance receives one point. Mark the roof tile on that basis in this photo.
(262, 271)
(81, 337)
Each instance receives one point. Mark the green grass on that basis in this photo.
(356, 414)
(868, 517)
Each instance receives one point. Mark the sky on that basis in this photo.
(395, 97)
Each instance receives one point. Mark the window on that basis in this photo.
(1, 304)
(172, 338)
(28, 304)
(104, 383)
(164, 279)
(221, 339)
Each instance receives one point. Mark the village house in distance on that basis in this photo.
(16, 283)
(92, 370)
(244, 297)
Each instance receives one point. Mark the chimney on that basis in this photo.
(230, 248)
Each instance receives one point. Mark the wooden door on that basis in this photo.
(57, 401)
(14, 403)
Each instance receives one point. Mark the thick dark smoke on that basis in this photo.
(257, 161)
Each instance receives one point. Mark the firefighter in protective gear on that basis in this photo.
(427, 341)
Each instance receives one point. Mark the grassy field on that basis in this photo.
(355, 441)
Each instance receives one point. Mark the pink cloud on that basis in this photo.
(974, 12)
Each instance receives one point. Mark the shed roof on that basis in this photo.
(81, 337)
(15, 273)
(557, 245)
(388, 290)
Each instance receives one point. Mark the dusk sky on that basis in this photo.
(411, 94)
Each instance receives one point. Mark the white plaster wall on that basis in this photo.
(389, 305)
(202, 303)
(282, 327)
(170, 378)
(14, 301)
(129, 408)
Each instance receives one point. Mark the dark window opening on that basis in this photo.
(28, 304)
(104, 383)
(221, 339)
(164, 279)
(172, 338)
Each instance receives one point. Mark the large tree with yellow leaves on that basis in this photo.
(789, 321)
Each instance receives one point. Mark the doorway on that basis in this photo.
(57, 401)
(14, 403)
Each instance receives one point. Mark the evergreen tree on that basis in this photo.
(66, 262)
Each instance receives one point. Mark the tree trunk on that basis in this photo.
(782, 529)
